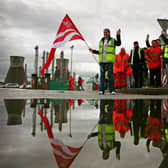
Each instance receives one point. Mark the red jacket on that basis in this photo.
(80, 81)
(153, 129)
(121, 62)
(152, 55)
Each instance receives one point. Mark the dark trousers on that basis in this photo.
(110, 74)
(106, 111)
(155, 77)
(137, 73)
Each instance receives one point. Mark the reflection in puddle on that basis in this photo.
(132, 131)
(15, 108)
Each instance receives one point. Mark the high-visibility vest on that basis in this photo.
(165, 138)
(120, 121)
(153, 57)
(120, 105)
(153, 129)
(129, 70)
(139, 53)
(121, 62)
(106, 134)
(165, 49)
(110, 51)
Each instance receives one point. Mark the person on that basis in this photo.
(145, 74)
(165, 52)
(71, 83)
(106, 54)
(80, 82)
(106, 131)
(164, 37)
(137, 61)
(153, 56)
(121, 66)
(148, 44)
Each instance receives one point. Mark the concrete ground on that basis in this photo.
(144, 93)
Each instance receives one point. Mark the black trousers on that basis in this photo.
(155, 77)
(137, 73)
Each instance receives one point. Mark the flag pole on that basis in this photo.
(71, 57)
(92, 53)
(70, 133)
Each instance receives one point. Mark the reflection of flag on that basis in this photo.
(64, 154)
(164, 109)
(66, 32)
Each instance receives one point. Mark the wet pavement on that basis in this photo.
(14, 93)
(136, 133)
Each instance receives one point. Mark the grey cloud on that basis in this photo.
(17, 14)
(27, 23)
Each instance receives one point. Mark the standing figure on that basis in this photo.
(71, 83)
(80, 82)
(165, 52)
(106, 54)
(121, 65)
(137, 61)
(153, 56)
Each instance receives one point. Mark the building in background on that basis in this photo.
(16, 72)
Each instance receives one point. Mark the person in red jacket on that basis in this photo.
(80, 82)
(121, 65)
(71, 82)
(153, 56)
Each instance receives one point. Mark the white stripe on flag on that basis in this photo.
(62, 33)
(62, 43)
(63, 146)
(59, 153)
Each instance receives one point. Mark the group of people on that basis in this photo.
(79, 85)
(125, 116)
(137, 64)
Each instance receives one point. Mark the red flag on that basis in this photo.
(64, 154)
(66, 32)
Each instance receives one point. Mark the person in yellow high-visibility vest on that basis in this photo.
(106, 54)
(165, 52)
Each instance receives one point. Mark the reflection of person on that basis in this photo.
(153, 129)
(106, 54)
(121, 117)
(106, 131)
(139, 117)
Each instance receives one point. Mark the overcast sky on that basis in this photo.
(26, 23)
